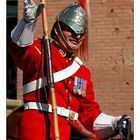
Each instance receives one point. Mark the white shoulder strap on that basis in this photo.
(67, 72)
(58, 76)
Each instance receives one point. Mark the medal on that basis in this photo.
(75, 88)
(83, 93)
(79, 92)
(79, 86)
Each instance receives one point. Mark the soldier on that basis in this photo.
(78, 112)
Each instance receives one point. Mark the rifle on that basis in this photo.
(49, 73)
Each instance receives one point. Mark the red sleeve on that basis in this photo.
(26, 58)
(89, 108)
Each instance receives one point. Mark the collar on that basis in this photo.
(63, 53)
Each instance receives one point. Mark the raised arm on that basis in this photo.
(22, 34)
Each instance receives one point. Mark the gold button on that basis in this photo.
(69, 82)
(70, 98)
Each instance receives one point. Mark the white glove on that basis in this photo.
(104, 125)
(31, 10)
(23, 33)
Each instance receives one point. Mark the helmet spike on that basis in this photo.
(76, 2)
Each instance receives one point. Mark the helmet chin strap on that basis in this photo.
(62, 39)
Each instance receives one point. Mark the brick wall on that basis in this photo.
(110, 50)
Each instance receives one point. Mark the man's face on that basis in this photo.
(74, 41)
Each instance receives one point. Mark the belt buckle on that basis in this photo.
(72, 115)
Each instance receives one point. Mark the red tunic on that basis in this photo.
(37, 125)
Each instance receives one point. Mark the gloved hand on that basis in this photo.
(123, 126)
(106, 126)
(31, 10)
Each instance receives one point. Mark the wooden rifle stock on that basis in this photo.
(48, 71)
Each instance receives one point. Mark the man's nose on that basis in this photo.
(78, 36)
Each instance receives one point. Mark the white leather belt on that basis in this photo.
(58, 76)
(48, 108)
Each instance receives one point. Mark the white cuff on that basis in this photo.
(22, 34)
(104, 125)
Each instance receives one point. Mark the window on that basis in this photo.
(11, 68)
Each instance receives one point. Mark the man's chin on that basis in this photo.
(74, 47)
